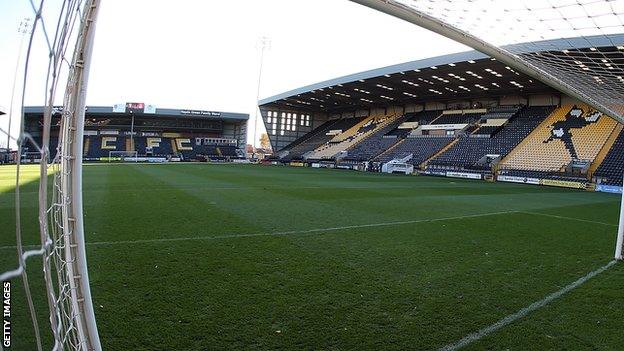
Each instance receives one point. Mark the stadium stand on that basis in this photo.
(350, 137)
(100, 146)
(227, 151)
(570, 133)
(420, 147)
(457, 117)
(316, 132)
(610, 170)
(377, 143)
(159, 134)
(501, 122)
(413, 120)
(319, 136)
(153, 146)
(496, 141)
(486, 131)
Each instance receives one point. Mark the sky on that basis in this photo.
(199, 54)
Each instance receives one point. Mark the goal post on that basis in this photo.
(123, 156)
(619, 244)
(69, 308)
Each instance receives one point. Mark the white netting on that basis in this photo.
(577, 44)
(67, 49)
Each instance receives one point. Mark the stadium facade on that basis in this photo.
(143, 131)
(460, 115)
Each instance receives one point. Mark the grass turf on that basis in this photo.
(179, 259)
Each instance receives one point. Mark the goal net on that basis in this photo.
(59, 42)
(575, 46)
(123, 156)
(555, 41)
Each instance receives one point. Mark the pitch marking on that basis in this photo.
(470, 338)
(568, 218)
(291, 232)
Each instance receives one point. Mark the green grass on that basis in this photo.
(417, 285)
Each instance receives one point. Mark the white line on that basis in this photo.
(291, 232)
(568, 218)
(199, 187)
(470, 338)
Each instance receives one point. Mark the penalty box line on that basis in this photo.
(470, 338)
(283, 233)
(568, 218)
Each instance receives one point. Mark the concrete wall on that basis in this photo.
(514, 100)
(544, 100)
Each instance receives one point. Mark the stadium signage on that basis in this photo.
(513, 179)
(463, 175)
(135, 106)
(609, 189)
(200, 113)
(436, 173)
(564, 183)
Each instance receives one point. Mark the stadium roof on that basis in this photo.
(149, 110)
(464, 75)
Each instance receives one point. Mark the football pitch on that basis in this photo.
(249, 257)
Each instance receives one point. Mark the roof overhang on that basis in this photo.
(156, 112)
(464, 75)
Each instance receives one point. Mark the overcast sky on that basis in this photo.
(200, 54)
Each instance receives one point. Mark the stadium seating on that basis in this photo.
(422, 117)
(458, 117)
(610, 170)
(495, 140)
(227, 151)
(421, 148)
(318, 136)
(322, 129)
(153, 146)
(569, 133)
(101, 145)
(486, 131)
(351, 136)
(376, 143)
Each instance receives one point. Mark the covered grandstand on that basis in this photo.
(149, 133)
(463, 115)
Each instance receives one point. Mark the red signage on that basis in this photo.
(135, 106)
